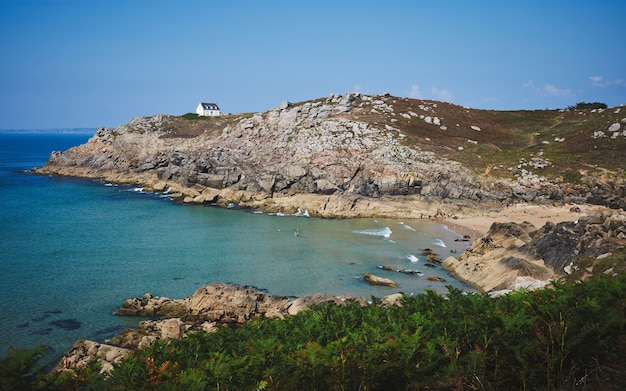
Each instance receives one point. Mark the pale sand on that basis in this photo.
(538, 215)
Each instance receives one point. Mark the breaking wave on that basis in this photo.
(440, 243)
(412, 258)
(384, 232)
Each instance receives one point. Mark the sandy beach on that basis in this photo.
(477, 225)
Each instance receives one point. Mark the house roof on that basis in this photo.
(209, 106)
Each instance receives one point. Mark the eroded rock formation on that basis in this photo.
(512, 255)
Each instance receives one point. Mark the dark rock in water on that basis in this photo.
(45, 331)
(66, 324)
(405, 271)
(45, 315)
(22, 325)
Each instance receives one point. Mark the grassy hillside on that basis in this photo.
(556, 144)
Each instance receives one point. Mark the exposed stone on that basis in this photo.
(210, 307)
(510, 251)
(375, 280)
(83, 352)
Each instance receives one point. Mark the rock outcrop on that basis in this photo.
(376, 280)
(209, 308)
(83, 352)
(513, 255)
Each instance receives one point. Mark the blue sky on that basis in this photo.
(92, 63)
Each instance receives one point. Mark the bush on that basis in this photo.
(191, 116)
(569, 337)
(588, 106)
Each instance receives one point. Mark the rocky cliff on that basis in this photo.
(514, 255)
(346, 156)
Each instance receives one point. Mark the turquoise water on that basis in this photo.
(73, 250)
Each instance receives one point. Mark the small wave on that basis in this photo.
(440, 243)
(136, 189)
(384, 232)
(407, 227)
(412, 258)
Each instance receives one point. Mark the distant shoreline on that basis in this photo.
(57, 131)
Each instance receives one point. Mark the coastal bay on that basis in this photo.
(75, 249)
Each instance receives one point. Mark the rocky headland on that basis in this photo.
(355, 155)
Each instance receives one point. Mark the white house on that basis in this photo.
(208, 109)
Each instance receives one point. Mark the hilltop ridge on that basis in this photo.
(357, 155)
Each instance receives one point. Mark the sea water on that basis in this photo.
(72, 250)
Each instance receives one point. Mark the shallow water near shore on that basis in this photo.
(73, 250)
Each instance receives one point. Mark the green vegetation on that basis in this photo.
(191, 116)
(569, 337)
(588, 106)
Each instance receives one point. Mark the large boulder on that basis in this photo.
(375, 280)
(83, 352)
(152, 307)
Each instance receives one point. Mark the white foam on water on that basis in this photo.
(440, 243)
(412, 258)
(384, 232)
(407, 227)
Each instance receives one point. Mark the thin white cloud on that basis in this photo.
(442, 95)
(552, 90)
(415, 92)
(549, 90)
(599, 82)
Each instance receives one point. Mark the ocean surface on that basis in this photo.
(72, 250)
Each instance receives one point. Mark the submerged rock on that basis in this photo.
(66, 324)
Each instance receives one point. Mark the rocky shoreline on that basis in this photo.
(209, 308)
